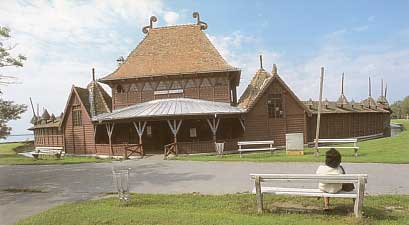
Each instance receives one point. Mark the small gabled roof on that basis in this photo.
(171, 50)
(100, 102)
(257, 92)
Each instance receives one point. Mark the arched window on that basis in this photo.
(119, 89)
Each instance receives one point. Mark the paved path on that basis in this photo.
(67, 183)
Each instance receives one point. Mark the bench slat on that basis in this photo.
(340, 178)
(305, 192)
(255, 142)
(255, 149)
(339, 147)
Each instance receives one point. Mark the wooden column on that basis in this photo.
(174, 126)
(243, 125)
(214, 124)
(95, 134)
(110, 129)
(140, 128)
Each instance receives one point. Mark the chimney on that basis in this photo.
(93, 74)
(274, 71)
(261, 61)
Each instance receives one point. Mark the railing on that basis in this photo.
(133, 149)
(169, 149)
(49, 140)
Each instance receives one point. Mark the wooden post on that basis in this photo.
(259, 195)
(317, 131)
(110, 129)
(214, 124)
(174, 129)
(359, 201)
(140, 128)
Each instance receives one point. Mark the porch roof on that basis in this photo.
(170, 108)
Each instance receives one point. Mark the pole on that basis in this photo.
(317, 131)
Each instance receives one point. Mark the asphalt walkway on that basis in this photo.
(67, 183)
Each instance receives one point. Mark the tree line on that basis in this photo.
(400, 109)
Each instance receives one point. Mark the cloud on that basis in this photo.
(64, 39)
(171, 18)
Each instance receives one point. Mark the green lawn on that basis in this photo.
(9, 156)
(382, 150)
(223, 209)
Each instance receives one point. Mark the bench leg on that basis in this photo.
(240, 154)
(356, 152)
(359, 201)
(259, 196)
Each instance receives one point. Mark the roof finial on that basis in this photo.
(93, 74)
(146, 29)
(203, 25)
(342, 84)
(381, 87)
(386, 89)
(274, 72)
(261, 61)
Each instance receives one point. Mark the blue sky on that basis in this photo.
(63, 40)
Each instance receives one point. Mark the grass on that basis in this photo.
(223, 209)
(9, 156)
(26, 190)
(382, 150)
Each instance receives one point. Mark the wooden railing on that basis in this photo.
(169, 149)
(133, 149)
(48, 140)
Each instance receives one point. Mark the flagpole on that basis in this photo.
(317, 131)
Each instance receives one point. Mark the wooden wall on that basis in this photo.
(259, 126)
(346, 125)
(78, 139)
(48, 137)
(211, 87)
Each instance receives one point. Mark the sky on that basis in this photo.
(64, 40)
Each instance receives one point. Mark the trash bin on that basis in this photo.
(121, 183)
(219, 148)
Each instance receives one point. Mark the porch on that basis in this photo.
(169, 126)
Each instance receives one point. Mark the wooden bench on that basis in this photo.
(255, 143)
(358, 194)
(57, 152)
(353, 141)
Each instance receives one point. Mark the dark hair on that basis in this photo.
(332, 158)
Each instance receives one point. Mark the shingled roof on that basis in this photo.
(335, 107)
(172, 50)
(253, 89)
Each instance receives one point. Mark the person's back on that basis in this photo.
(326, 170)
(332, 167)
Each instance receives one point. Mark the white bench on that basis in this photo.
(358, 194)
(353, 141)
(49, 151)
(255, 143)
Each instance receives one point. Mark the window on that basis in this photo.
(192, 132)
(275, 106)
(76, 116)
(119, 89)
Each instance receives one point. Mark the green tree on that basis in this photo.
(8, 109)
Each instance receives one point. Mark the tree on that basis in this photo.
(400, 109)
(8, 109)
(6, 59)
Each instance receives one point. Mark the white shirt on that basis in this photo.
(326, 170)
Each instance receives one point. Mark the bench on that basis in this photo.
(241, 144)
(57, 152)
(358, 194)
(353, 141)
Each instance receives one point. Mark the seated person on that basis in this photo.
(332, 167)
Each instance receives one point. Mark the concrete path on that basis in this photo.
(67, 183)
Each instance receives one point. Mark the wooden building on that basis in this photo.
(174, 93)
(46, 129)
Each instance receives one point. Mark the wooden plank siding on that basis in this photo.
(78, 139)
(211, 87)
(259, 126)
(346, 125)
